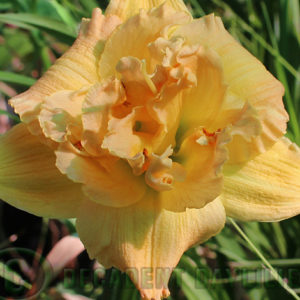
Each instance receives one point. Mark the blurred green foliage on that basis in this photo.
(33, 33)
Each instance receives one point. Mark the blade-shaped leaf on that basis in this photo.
(12, 276)
(39, 22)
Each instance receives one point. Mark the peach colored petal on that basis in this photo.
(105, 180)
(202, 103)
(202, 155)
(29, 179)
(76, 68)
(246, 77)
(137, 83)
(162, 173)
(60, 115)
(266, 188)
(145, 240)
(96, 111)
(133, 36)
(245, 127)
(132, 134)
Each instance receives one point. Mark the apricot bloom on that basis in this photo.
(149, 130)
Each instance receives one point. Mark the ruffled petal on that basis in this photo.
(245, 127)
(106, 180)
(127, 9)
(202, 155)
(100, 99)
(267, 188)
(145, 240)
(128, 136)
(246, 77)
(76, 68)
(60, 115)
(203, 103)
(137, 83)
(162, 172)
(133, 37)
(29, 179)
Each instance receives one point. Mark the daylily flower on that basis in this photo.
(149, 130)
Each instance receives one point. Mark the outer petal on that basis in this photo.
(246, 76)
(29, 179)
(146, 240)
(76, 68)
(266, 188)
(127, 9)
(107, 180)
(133, 37)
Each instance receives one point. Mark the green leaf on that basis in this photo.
(279, 239)
(193, 289)
(18, 42)
(282, 77)
(6, 5)
(39, 22)
(64, 15)
(230, 246)
(12, 276)
(254, 232)
(260, 40)
(13, 117)
(89, 5)
(16, 78)
(198, 10)
(17, 23)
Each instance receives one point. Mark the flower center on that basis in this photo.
(142, 125)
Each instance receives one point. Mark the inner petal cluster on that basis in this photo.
(140, 125)
(133, 115)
